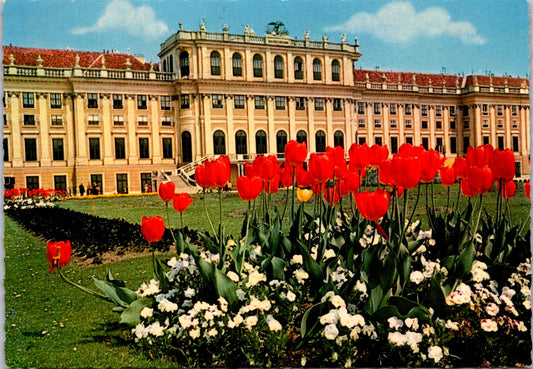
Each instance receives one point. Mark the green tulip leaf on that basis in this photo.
(131, 316)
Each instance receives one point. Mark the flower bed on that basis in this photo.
(24, 198)
(354, 281)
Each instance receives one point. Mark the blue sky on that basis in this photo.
(426, 36)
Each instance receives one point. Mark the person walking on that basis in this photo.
(82, 189)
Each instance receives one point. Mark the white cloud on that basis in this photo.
(121, 15)
(399, 22)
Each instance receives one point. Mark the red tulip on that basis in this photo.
(385, 173)
(527, 189)
(447, 176)
(480, 179)
(249, 188)
(218, 171)
(480, 156)
(266, 167)
(201, 176)
(372, 205)
(466, 188)
(295, 153)
(285, 176)
(272, 186)
(181, 202)
(508, 189)
(377, 154)
(352, 182)
(331, 195)
(320, 168)
(405, 171)
(339, 160)
(249, 170)
(166, 190)
(153, 228)
(502, 164)
(303, 179)
(459, 166)
(430, 162)
(58, 254)
(358, 156)
(407, 150)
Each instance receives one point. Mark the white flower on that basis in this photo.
(492, 309)
(194, 333)
(165, 305)
(250, 322)
(479, 273)
(149, 289)
(189, 292)
(354, 334)
(435, 353)
(291, 296)
(273, 324)
(337, 301)
(489, 325)
(241, 295)
(522, 327)
(155, 329)
(527, 304)
(223, 304)
(452, 325)
(212, 332)
(331, 331)
(330, 318)
(146, 312)
(416, 277)
(361, 287)
(329, 253)
(233, 276)
(395, 323)
(396, 338)
(301, 275)
(508, 292)
(297, 259)
(412, 323)
(172, 262)
(255, 278)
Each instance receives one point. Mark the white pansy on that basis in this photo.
(492, 309)
(291, 296)
(330, 318)
(255, 278)
(146, 312)
(435, 353)
(189, 292)
(416, 277)
(195, 333)
(172, 262)
(396, 338)
(329, 253)
(165, 305)
(297, 259)
(212, 332)
(149, 289)
(337, 301)
(273, 324)
(250, 322)
(331, 331)
(489, 325)
(233, 276)
(452, 325)
(395, 322)
(412, 323)
(301, 275)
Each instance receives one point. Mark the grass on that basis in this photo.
(49, 324)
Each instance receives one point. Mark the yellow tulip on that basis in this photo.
(304, 195)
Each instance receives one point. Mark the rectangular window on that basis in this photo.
(438, 124)
(58, 152)
(60, 183)
(485, 123)
(378, 141)
(499, 110)
(6, 149)
(377, 123)
(392, 109)
(280, 102)
(300, 103)
(144, 148)
(118, 101)
(165, 102)
(408, 123)
(438, 110)
(515, 123)
(424, 124)
(122, 183)
(465, 110)
(120, 148)
(377, 108)
(408, 109)
(361, 123)
(515, 144)
(29, 120)
(361, 140)
(466, 124)
(92, 101)
(393, 123)
(217, 101)
(409, 140)
(466, 144)
(94, 148)
(514, 110)
(167, 148)
(118, 120)
(146, 182)
(32, 182)
(439, 147)
(500, 123)
(452, 124)
(142, 102)
(501, 142)
(5, 120)
(56, 120)
(394, 144)
(337, 105)
(424, 110)
(259, 102)
(166, 121)
(142, 120)
(238, 101)
(360, 108)
(485, 109)
(425, 142)
(319, 104)
(30, 149)
(28, 100)
(93, 120)
(55, 101)
(185, 101)
(453, 145)
(486, 140)
(96, 180)
(452, 110)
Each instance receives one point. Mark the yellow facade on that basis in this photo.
(117, 123)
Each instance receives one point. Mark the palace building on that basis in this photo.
(74, 117)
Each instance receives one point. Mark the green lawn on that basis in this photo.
(50, 324)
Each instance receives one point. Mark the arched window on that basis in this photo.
(298, 68)
(335, 70)
(165, 65)
(258, 65)
(184, 64)
(261, 142)
(278, 67)
(171, 64)
(237, 65)
(317, 70)
(281, 141)
(320, 138)
(219, 143)
(186, 146)
(241, 146)
(338, 139)
(301, 136)
(215, 63)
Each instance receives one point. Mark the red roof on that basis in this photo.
(424, 79)
(67, 58)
